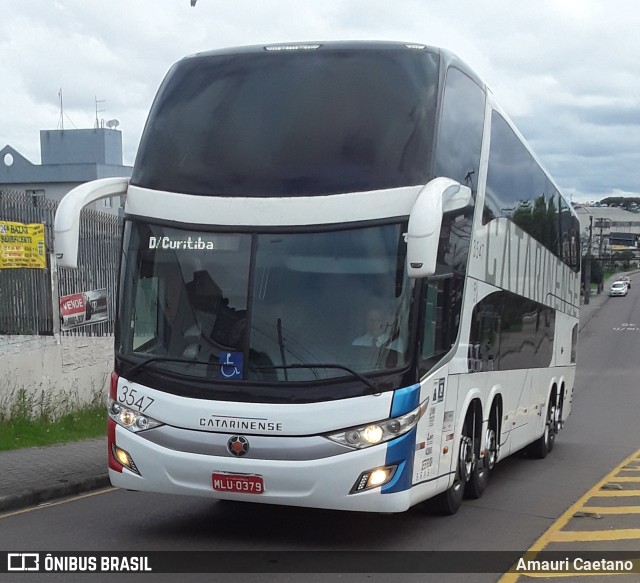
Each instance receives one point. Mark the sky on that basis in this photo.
(566, 71)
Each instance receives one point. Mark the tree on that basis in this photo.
(624, 257)
(597, 272)
(621, 201)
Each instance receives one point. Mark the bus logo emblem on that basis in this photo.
(238, 445)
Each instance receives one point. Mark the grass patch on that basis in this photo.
(23, 431)
(40, 417)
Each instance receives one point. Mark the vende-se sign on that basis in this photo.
(73, 304)
(88, 307)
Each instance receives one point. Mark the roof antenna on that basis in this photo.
(61, 120)
(99, 111)
(60, 125)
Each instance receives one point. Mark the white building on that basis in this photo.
(609, 227)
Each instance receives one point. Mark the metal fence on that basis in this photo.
(26, 295)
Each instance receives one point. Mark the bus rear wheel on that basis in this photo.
(544, 444)
(479, 479)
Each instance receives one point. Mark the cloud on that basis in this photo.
(565, 70)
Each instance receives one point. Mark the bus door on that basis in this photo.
(436, 431)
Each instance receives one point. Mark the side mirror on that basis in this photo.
(440, 195)
(67, 221)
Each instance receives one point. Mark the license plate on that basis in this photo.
(243, 483)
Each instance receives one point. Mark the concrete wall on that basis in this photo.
(56, 373)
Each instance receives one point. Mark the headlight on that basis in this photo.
(130, 418)
(379, 432)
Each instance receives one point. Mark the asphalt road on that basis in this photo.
(524, 498)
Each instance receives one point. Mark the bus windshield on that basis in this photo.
(291, 123)
(265, 307)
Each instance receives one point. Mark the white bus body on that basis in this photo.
(346, 283)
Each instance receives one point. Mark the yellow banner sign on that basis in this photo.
(22, 246)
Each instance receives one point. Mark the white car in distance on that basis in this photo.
(618, 288)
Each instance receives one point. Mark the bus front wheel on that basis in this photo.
(450, 500)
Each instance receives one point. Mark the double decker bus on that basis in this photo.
(346, 282)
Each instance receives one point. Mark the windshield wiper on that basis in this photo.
(282, 350)
(144, 363)
(356, 374)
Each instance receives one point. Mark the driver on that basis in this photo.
(378, 329)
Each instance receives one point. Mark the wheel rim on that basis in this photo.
(552, 423)
(490, 449)
(549, 427)
(557, 420)
(465, 458)
(546, 435)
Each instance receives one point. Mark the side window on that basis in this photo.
(442, 305)
(509, 332)
(460, 133)
(516, 186)
(458, 157)
(145, 324)
(569, 238)
(518, 189)
(484, 340)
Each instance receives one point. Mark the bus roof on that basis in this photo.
(447, 57)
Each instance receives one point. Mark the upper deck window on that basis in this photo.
(287, 123)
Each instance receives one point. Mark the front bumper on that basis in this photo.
(318, 483)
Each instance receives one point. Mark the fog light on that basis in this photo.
(378, 477)
(373, 478)
(125, 459)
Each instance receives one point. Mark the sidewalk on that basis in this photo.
(596, 301)
(35, 475)
(588, 311)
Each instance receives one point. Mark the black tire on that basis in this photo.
(479, 479)
(544, 444)
(449, 502)
(559, 420)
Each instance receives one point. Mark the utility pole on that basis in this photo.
(587, 267)
(601, 224)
